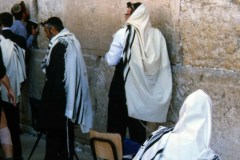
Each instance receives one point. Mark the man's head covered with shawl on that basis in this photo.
(190, 138)
(147, 71)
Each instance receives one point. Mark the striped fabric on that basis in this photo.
(130, 34)
(78, 105)
(216, 157)
(147, 71)
(153, 147)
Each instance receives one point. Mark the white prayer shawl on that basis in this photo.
(190, 139)
(147, 74)
(14, 61)
(76, 81)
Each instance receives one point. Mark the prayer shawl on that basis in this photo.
(147, 71)
(78, 105)
(14, 61)
(190, 138)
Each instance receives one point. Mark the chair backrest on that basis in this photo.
(106, 145)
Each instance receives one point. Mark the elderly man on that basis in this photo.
(142, 83)
(65, 97)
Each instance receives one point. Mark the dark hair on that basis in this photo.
(18, 9)
(133, 6)
(55, 22)
(6, 19)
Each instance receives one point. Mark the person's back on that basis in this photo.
(6, 20)
(142, 75)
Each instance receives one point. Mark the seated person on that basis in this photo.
(189, 139)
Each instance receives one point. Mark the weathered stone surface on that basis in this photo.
(94, 22)
(209, 34)
(166, 17)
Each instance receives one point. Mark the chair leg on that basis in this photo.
(35, 145)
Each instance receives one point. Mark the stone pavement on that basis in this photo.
(28, 140)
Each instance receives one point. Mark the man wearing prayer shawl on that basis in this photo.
(13, 59)
(5, 81)
(189, 139)
(13, 53)
(65, 97)
(142, 83)
(5, 137)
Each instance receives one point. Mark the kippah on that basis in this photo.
(16, 8)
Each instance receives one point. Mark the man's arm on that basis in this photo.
(115, 52)
(6, 83)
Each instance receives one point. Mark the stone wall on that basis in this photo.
(210, 34)
(203, 44)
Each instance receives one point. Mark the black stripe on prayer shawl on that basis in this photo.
(126, 47)
(16, 50)
(127, 40)
(79, 109)
(82, 115)
(127, 50)
(15, 47)
(158, 152)
(216, 157)
(155, 138)
(128, 53)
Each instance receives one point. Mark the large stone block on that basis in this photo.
(209, 33)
